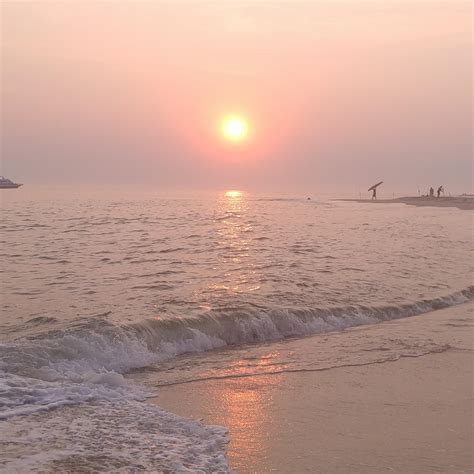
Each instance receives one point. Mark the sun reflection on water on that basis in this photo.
(233, 193)
(233, 230)
(243, 405)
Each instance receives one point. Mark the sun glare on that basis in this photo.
(234, 128)
(233, 193)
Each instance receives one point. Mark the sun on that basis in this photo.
(234, 128)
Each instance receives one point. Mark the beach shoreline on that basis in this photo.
(406, 413)
(463, 203)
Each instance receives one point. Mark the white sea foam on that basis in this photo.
(21, 395)
(118, 436)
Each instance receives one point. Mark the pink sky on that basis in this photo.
(337, 93)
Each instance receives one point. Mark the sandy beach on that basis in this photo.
(464, 203)
(409, 410)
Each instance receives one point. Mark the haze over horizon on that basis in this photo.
(336, 95)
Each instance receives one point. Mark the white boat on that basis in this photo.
(8, 184)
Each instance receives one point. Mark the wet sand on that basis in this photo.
(463, 203)
(402, 414)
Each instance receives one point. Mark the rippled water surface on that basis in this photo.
(94, 288)
(126, 260)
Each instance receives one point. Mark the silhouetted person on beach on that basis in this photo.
(431, 192)
(374, 194)
(440, 190)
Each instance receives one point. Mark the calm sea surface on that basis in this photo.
(96, 294)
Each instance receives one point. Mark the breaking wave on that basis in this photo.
(87, 362)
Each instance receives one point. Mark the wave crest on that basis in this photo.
(95, 353)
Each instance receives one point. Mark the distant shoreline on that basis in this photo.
(463, 203)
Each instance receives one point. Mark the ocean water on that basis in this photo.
(105, 299)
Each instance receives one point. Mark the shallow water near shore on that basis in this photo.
(99, 294)
(390, 397)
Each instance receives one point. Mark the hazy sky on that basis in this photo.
(337, 94)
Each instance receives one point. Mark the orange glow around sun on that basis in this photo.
(234, 128)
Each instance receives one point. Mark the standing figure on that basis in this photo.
(374, 189)
(440, 190)
(431, 192)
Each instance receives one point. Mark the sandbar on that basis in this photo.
(463, 203)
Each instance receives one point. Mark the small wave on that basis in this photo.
(95, 351)
(223, 328)
(170, 250)
(159, 286)
(40, 320)
(97, 343)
